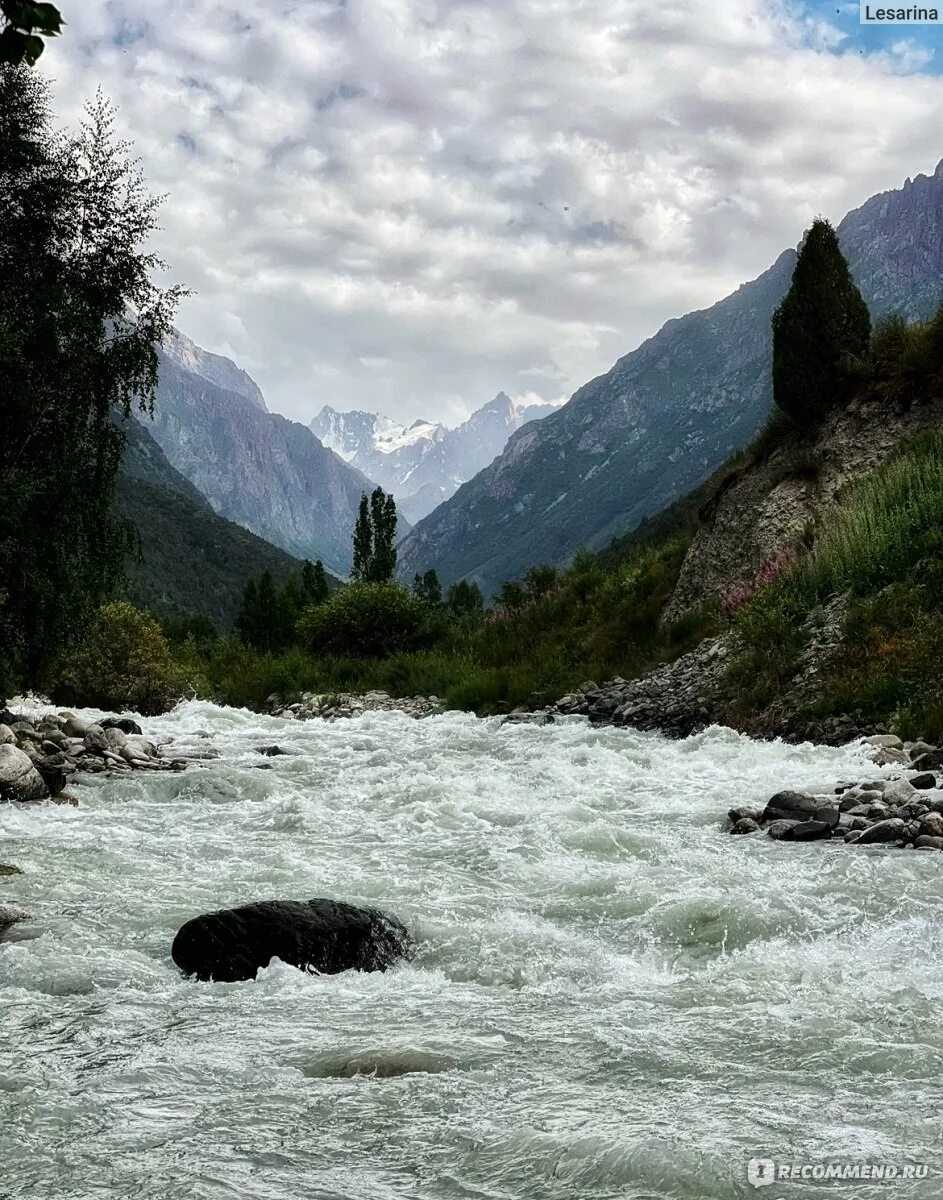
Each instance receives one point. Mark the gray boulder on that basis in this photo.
(19, 779)
(745, 825)
(891, 830)
(791, 806)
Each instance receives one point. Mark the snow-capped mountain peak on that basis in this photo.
(426, 462)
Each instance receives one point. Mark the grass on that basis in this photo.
(882, 549)
(583, 623)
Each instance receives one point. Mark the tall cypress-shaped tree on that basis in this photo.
(820, 328)
(383, 519)
(363, 542)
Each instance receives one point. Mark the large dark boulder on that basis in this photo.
(125, 724)
(321, 936)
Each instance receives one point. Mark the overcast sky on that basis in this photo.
(409, 205)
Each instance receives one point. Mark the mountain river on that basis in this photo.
(611, 997)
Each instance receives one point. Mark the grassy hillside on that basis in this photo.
(192, 561)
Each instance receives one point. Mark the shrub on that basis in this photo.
(125, 663)
(369, 620)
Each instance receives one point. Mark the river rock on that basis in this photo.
(320, 936)
(745, 825)
(924, 783)
(745, 810)
(7, 736)
(791, 806)
(270, 751)
(931, 760)
(810, 831)
(931, 824)
(74, 726)
(891, 830)
(19, 779)
(11, 913)
(781, 831)
(124, 724)
(926, 842)
(9, 869)
(899, 792)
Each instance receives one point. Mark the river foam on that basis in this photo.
(611, 997)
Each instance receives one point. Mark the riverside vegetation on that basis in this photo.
(68, 628)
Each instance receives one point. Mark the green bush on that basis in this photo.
(368, 620)
(124, 664)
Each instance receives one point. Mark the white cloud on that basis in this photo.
(412, 205)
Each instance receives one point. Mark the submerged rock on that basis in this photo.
(320, 936)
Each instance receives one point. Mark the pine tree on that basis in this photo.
(314, 585)
(245, 623)
(363, 542)
(821, 328)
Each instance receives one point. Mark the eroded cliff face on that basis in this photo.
(766, 507)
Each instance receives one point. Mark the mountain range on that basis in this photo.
(256, 468)
(423, 464)
(665, 416)
(191, 561)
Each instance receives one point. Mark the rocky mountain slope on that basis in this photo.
(668, 414)
(266, 473)
(422, 465)
(192, 561)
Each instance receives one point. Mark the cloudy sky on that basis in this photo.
(408, 205)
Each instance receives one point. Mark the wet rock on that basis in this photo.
(745, 810)
(95, 741)
(9, 869)
(745, 825)
(885, 741)
(270, 751)
(7, 736)
(55, 770)
(891, 830)
(125, 724)
(320, 936)
(926, 842)
(899, 792)
(74, 726)
(115, 739)
(10, 914)
(19, 779)
(810, 831)
(932, 760)
(923, 783)
(931, 825)
(791, 806)
(917, 749)
(781, 831)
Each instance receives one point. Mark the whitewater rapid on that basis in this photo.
(612, 997)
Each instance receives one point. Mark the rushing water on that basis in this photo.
(612, 997)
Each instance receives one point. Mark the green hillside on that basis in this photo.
(192, 561)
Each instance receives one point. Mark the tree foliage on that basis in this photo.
(427, 589)
(24, 25)
(367, 619)
(79, 322)
(375, 539)
(125, 663)
(821, 330)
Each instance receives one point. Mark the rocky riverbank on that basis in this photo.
(905, 811)
(38, 755)
(344, 705)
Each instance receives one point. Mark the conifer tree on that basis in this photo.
(819, 330)
(428, 589)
